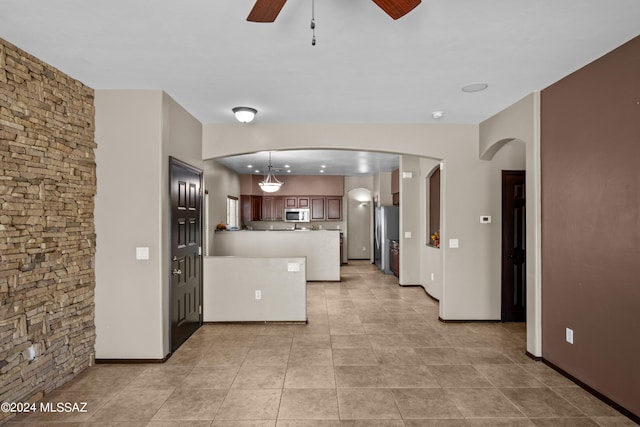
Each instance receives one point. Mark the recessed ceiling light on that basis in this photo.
(287, 166)
(249, 166)
(323, 166)
(475, 87)
(257, 171)
(321, 170)
(288, 170)
(437, 114)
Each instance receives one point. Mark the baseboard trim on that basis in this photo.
(627, 413)
(467, 320)
(534, 357)
(431, 296)
(257, 322)
(131, 361)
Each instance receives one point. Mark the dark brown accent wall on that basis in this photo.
(47, 234)
(590, 161)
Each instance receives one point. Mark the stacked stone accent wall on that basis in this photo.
(47, 234)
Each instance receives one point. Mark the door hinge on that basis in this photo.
(199, 250)
(199, 309)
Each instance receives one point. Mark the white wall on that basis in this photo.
(321, 248)
(182, 139)
(136, 132)
(468, 278)
(521, 121)
(411, 220)
(350, 183)
(359, 203)
(128, 215)
(231, 283)
(221, 182)
(431, 257)
(382, 189)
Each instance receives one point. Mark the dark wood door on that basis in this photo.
(514, 272)
(186, 260)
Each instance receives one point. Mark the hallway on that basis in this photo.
(372, 354)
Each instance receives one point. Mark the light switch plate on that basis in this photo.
(454, 243)
(569, 335)
(407, 234)
(293, 266)
(142, 253)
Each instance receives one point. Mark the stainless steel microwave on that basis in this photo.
(296, 215)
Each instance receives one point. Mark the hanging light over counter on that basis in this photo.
(270, 184)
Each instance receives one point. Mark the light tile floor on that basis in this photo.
(373, 354)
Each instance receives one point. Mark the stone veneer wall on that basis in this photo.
(47, 234)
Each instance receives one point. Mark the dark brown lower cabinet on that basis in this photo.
(394, 257)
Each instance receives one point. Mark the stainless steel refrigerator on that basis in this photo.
(387, 228)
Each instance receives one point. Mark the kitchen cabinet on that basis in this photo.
(272, 208)
(278, 208)
(296, 202)
(303, 202)
(317, 208)
(394, 257)
(267, 209)
(290, 202)
(256, 208)
(250, 208)
(334, 208)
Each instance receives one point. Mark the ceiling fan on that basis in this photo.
(268, 10)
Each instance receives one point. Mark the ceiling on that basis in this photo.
(311, 162)
(365, 67)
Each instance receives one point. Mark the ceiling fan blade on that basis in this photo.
(265, 10)
(397, 8)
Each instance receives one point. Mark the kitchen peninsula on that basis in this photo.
(320, 247)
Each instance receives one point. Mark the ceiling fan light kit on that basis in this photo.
(244, 114)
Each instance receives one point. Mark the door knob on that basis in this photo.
(176, 272)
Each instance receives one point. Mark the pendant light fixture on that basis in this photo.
(270, 184)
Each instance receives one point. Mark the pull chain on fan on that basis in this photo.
(313, 22)
(268, 10)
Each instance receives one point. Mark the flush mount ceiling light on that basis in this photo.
(475, 87)
(244, 114)
(437, 114)
(270, 184)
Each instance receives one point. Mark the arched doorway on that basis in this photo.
(359, 224)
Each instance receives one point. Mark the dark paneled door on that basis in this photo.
(514, 272)
(186, 258)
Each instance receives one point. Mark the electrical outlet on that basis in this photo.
(569, 335)
(31, 353)
(258, 294)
